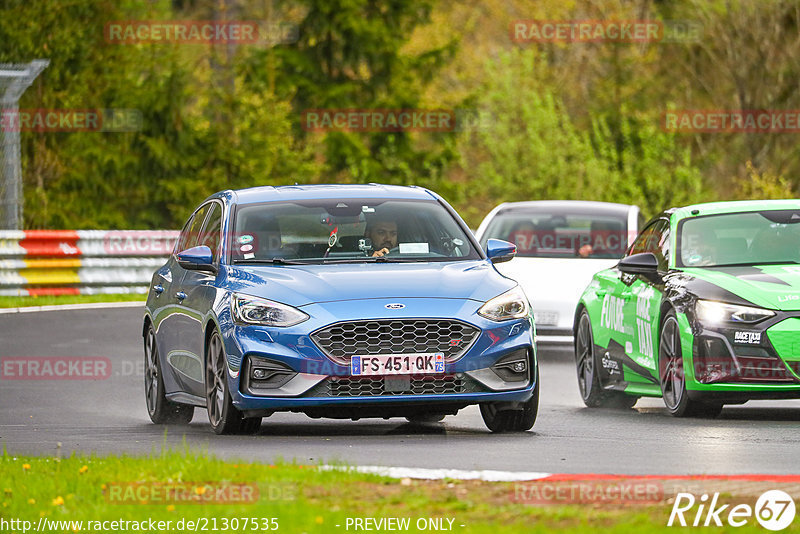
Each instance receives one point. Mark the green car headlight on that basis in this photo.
(512, 304)
(713, 312)
(247, 309)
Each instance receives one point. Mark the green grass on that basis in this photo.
(302, 498)
(50, 300)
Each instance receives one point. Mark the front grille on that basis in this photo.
(714, 363)
(377, 386)
(341, 341)
(760, 366)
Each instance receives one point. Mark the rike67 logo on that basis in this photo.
(774, 510)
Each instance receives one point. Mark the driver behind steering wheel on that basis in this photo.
(383, 234)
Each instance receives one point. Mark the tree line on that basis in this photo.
(538, 120)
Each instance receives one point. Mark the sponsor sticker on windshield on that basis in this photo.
(413, 248)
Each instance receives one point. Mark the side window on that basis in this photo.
(184, 237)
(193, 232)
(655, 239)
(211, 230)
(663, 247)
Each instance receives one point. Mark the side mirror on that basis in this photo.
(197, 259)
(642, 263)
(499, 251)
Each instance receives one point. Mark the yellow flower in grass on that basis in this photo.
(83, 469)
(319, 520)
(171, 508)
(25, 467)
(58, 501)
(200, 490)
(31, 501)
(7, 492)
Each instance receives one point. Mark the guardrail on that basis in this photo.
(55, 262)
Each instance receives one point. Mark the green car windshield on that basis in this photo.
(745, 238)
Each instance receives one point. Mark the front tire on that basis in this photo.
(673, 378)
(592, 393)
(160, 410)
(498, 419)
(222, 414)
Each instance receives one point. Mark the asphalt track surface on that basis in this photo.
(109, 416)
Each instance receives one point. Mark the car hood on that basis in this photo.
(770, 286)
(299, 285)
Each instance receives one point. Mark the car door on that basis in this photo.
(642, 296)
(199, 290)
(618, 323)
(181, 367)
(164, 304)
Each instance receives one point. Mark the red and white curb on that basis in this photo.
(439, 474)
(68, 307)
(421, 473)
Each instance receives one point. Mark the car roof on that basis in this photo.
(714, 208)
(555, 205)
(329, 191)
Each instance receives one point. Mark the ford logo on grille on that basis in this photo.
(395, 306)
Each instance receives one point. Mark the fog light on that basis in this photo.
(263, 374)
(518, 367)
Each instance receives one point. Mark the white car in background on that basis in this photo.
(560, 245)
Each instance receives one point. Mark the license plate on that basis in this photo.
(543, 318)
(397, 364)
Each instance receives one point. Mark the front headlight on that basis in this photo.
(254, 310)
(512, 304)
(712, 312)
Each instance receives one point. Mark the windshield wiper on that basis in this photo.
(272, 261)
(375, 259)
(365, 259)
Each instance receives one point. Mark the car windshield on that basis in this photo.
(348, 230)
(749, 238)
(561, 233)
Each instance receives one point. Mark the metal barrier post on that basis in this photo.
(15, 78)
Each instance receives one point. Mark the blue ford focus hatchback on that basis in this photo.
(343, 301)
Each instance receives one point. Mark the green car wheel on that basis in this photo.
(673, 377)
(592, 393)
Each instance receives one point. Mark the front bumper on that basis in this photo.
(739, 363)
(314, 383)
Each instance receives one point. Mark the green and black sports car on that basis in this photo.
(703, 310)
